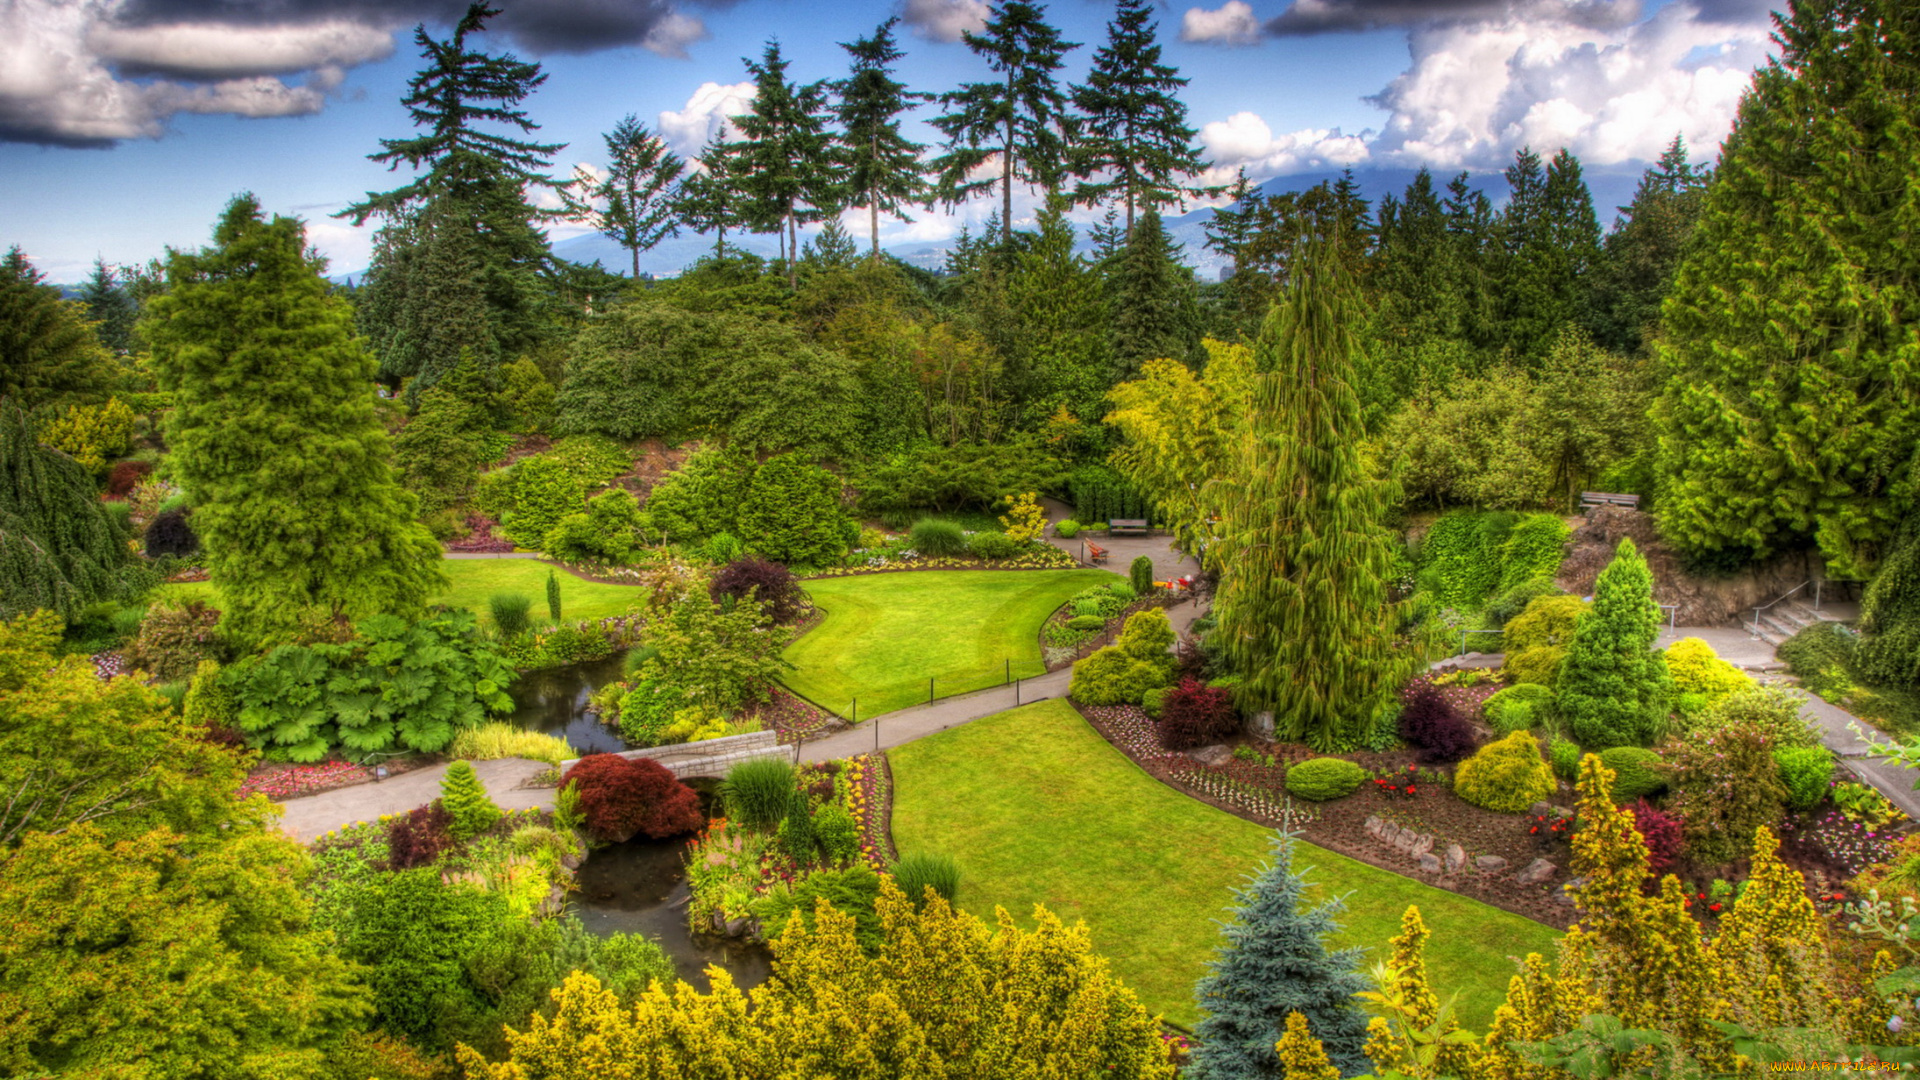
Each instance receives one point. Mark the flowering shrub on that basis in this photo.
(1551, 831)
(1194, 714)
(624, 797)
(1725, 786)
(1429, 722)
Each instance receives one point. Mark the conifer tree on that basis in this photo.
(1275, 963)
(1418, 275)
(783, 164)
(58, 549)
(553, 595)
(1470, 228)
(707, 200)
(1055, 337)
(275, 437)
(1890, 613)
(1550, 242)
(1155, 311)
(465, 798)
(1784, 418)
(633, 204)
(1134, 140)
(1643, 250)
(1022, 116)
(425, 309)
(110, 306)
(1305, 618)
(1614, 688)
(884, 170)
(48, 353)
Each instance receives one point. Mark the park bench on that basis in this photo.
(1127, 527)
(1591, 499)
(1096, 553)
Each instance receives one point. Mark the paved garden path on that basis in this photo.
(311, 816)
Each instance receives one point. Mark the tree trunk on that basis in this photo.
(793, 253)
(636, 264)
(873, 214)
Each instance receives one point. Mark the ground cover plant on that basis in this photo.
(883, 635)
(1037, 808)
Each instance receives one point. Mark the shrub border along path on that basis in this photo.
(1037, 807)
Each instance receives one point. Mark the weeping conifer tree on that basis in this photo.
(58, 548)
(1305, 616)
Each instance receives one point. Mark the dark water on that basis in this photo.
(640, 887)
(554, 701)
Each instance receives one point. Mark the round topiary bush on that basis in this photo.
(1321, 779)
(1806, 771)
(1507, 776)
(1067, 530)
(991, 545)
(938, 539)
(1086, 622)
(1518, 708)
(1636, 772)
(1697, 669)
(169, 533)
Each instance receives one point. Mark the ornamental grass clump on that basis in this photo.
(938, 539)
(470, 812)
(923, 870)
(511, 613)
(491, 742)
(1507, 776)
(758, 792)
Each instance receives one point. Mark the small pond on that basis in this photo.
(554, 701)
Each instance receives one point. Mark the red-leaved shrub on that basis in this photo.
(1427, 720)
(624, 798)
(772, 584)
(169, 533)
(1195, 714)
(417, 837)
(121, 481)
(1662, 834)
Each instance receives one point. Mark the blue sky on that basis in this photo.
(125, 125)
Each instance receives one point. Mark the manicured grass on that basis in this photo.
(884, 635)
(472, 581)
(1037, 808)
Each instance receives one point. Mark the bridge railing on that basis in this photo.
(708, 757)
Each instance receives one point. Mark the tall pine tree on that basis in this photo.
(884, 169)
(1022, 116)
(1134, 144)
(1789, 413)
(110, 306)
(1276, 962)
(708, 200)
(1305, 619)
(783, 163)
(633, 203)
(1550, 243)
(275, 438)
(1155, 310)
(49, 356)
(1643, 250)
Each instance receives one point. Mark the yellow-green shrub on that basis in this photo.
(1508, 776)
(1697, 669)
(1536, 639)
(91, 434)
(1324, 778)
(497, 740)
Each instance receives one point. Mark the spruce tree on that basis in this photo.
(1155, 310)
(1550, 243)
(553, 595)
(424, 308)
(110, 307)
(884, 170)
(1643, 250)
(1787, 415)
(1054, 331)
(275, 437)
(1134, 140)
(1275, 963)
(633, 204)
(1305, 618)
(708, 200)
(1022, 116)
(49, 356)
(58, 549)
(783, 163)
(466, 801)
(1614, 688)
(1470, 228)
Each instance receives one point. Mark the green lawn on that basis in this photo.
(472, 581)
(885, 634)
(1037, 808)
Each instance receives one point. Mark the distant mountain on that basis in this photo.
(1611, 189)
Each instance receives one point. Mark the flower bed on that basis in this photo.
(871, 801)
(279, 780)
(108, 665)
(793, 718)
(1048, 558)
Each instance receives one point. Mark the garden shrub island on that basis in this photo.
(1054, 665)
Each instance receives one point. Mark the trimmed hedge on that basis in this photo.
(1321, 779)
(1507, 776)
(1636, 772)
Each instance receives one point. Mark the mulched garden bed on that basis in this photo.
(1024, 562)
(279, 780)
(1254, 791)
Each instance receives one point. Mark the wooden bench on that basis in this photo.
(1591, 499)
(1096, 553)
(1127, 527)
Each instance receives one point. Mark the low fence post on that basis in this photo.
(929, 689)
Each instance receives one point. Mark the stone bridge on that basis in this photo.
(709, 757)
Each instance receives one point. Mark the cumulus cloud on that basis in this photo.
(944, 20)
(687, 130)
(1244, 140)
(1330, 16)
(1232, 24)
(94, 72)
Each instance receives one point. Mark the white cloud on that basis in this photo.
(1475, 93)
(673, 33)
(687, 130)
(944, 20)
(1244, 140)
(1232, 24)
(204, 50)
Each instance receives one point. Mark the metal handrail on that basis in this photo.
(1754, 626)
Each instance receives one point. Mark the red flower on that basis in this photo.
(1715, 906)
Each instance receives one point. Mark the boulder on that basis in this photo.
(736, 927)
(1535, 872)
(1373, 825)
(1421, 845)
(1403, 839)
(1456, 858)
(1430, 863)
(1216, 755)
(1261, 724)
(1540, 809)
(1491, 864)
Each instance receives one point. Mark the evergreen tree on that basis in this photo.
(1786, 415)
(1276, 962)
(1233, 231)
(553, 595)
(58, 548)
(475, 184)
(1470, 228)
(425, 307)
(465, 798)
(48, 353)
(1151, 297)
(1614, 688)
(783, 163)
(1643, 250)
(1023, 117)
(275, 437)
(1054, 333)
(110, 307)
(1304, 559)
(1417, 274)
(884, 169)
(1134, 138)
(633, 205)
(1550, 242)
(832, 248)
(708, 200)
(1890, 613)
(792, 514)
